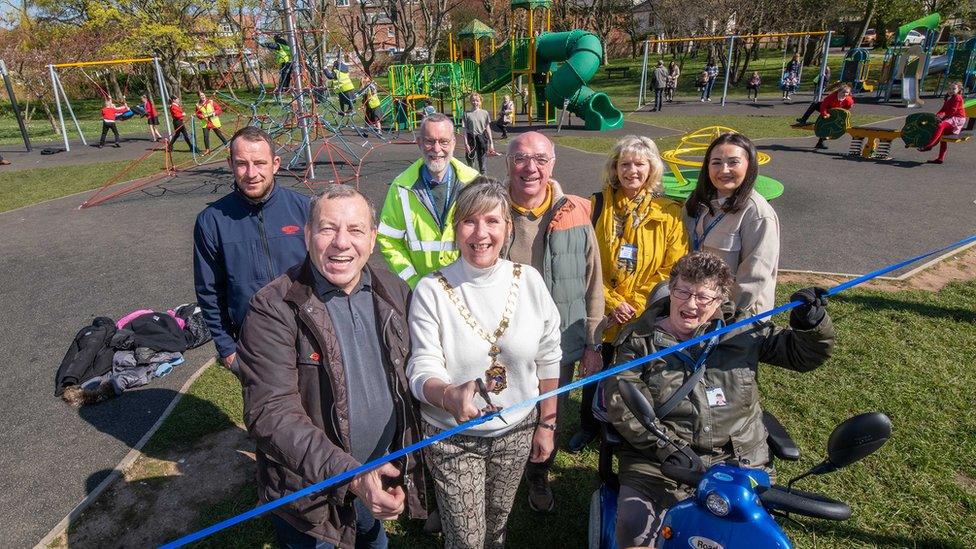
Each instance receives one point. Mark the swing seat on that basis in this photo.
(125, 115)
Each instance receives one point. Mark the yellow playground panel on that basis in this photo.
(690, 152)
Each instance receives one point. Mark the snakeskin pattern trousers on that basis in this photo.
(475, 480)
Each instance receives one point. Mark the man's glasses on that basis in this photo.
(521, 160)
(430, 143)
(702, 299)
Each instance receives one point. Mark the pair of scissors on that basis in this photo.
(483, 391)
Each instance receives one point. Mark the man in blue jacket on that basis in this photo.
(246, 239)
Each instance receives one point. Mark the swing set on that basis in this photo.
(726, 50)
(64, 103)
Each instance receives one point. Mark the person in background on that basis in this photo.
(752, 86)
(701, 83)
(725, 216)
(506, 115)
(208, 111)
(789, 85)
(4, 161)
(342, 85)
(721, 417)
(109, 112)
(674, 72)
(483, 319)
(152, 118)
(332, 322)
(641, 235)
(283, 58)
(952, 119)
(429, 108)
(477, 133)
(179, 125)
(659, 82)
(839, 99)
(711, 69)
(371, 102)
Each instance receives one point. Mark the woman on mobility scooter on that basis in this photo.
(706, 397)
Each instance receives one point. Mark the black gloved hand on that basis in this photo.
(808, 315)
(686, 458)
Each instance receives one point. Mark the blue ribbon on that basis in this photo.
(366, 467)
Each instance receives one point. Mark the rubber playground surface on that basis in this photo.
(62, 266)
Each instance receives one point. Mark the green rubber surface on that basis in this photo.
(768, 187)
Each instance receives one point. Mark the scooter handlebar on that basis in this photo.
(777, 498)
(682, 475)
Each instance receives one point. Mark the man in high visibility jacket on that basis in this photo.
(415, 234)
(342, 86)
(283, 58)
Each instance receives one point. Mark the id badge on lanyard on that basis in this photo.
(628, 252)
(696, 239)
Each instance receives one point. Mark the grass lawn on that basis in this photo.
(908, 354)
(25, 187)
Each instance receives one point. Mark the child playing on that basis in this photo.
(109, 114)
(673, 73)
(477, 133)
(505, 115)
(952, 119)
(788, 85)
(702, 84)
(752, 86)
(371, 101)
(152, 118)
(176, 111)
(428, 108)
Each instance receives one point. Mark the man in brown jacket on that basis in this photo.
(323, 351)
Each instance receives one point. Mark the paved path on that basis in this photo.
(62, 266)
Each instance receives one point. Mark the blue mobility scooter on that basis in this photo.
(733, 506)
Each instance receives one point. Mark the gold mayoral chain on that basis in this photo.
(496, 370)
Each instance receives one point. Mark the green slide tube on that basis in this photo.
(581, 52)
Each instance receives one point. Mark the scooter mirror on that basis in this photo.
(638, 404)
(857, 438)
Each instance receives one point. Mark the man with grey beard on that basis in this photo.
(415, 232)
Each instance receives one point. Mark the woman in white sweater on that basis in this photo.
(727, 217)
(483, 318)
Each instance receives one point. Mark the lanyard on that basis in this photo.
(442, 215)
(695, 364)
(697, 241)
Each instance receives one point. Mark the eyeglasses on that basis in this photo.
(430, 143)
(521, 160)
(702, 299)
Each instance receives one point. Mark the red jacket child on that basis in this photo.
(952, 107)
(109, 113)
(150, 108)
(832, 101)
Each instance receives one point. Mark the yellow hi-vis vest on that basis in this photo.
(409, 237)
(373, 101)
(283, 54)
(342, 82)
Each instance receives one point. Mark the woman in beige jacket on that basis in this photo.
(727, 217)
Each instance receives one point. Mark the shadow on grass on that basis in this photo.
(197, 470)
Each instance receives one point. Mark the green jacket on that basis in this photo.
(409, 238)
(715, 433)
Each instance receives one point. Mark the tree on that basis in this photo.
(360, 26)
(403, 15)
(434, 16)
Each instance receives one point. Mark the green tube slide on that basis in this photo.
(928, 22)
(580, 53)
